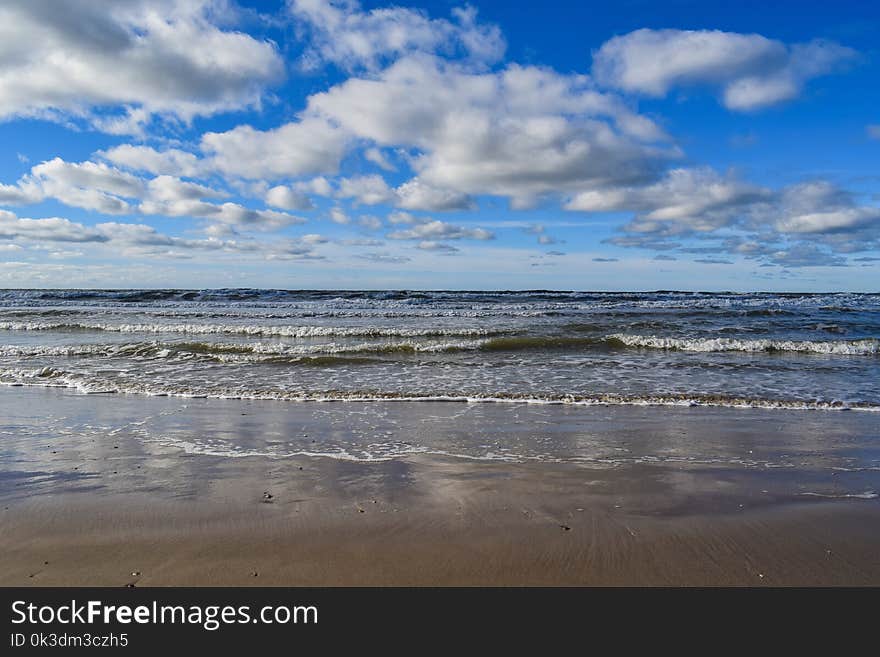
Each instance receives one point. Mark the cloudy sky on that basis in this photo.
(316, 144)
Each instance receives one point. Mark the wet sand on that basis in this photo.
(117, 490)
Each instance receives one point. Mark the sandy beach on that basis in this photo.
(162, 491)
(336, 293)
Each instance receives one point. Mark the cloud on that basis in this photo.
(437, 247)
(752, 71)
(831, 221)
(172, 161)
(320, 186)
(439, 230)
(359, 241)
(377, 157)
(148, 57)
(403, 218)
(237, 153)
(53, 229)
(169, 189)
(21, 194)
(369, 190)
(683, 201)
(427, 117)
(287, 198)
(806, 255)
(87, 185)
(873, 131)
(144, 240)
(384, 258)
(520, 132)
(338, 216)
(605, 260)
(542, 237)
(341, 33)
(417, 195)
(411, 195)
(233, 214)
(105, 189)
(811, 222)
(369, 222)
(58, 175)
(308, 146)
(820, 207)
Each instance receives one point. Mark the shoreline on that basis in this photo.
(607, 400)
(103, 487)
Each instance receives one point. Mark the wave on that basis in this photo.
(866, 495)
(89, 384)
(253, 330)
(541, 342)
(280, 352)
(413, 298)
(863, 347)
(236, 352)
(288, 312)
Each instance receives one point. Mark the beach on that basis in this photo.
(334, 293)
(296, 437)
(121, 490)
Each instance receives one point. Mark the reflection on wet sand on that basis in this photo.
(208, 491)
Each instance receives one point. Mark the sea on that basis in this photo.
(810, 352)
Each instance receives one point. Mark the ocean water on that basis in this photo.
(788, 351)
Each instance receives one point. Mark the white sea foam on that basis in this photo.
(529, 347)
(254, 352)
(865, 347)
(90, 384)
(254, 330)
(866, 495)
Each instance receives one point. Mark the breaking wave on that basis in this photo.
(254, 330)
(751, 349)
(387, 345)
(255, 352)
(87, 383)
(864, 347)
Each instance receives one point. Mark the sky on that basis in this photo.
(314, 144)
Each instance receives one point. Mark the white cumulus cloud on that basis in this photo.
(145, 57)
(342, 33)
(751, 70)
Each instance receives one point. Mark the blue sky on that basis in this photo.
(314, 144)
